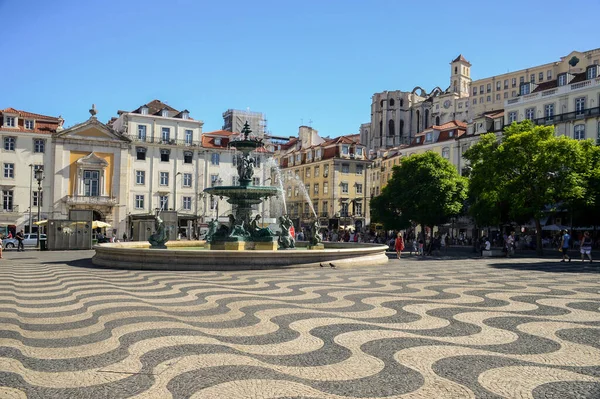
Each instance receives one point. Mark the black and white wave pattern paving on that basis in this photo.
(411, 329)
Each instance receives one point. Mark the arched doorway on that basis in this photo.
(97, 215)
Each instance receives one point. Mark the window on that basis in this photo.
(514, 82)
(359, 151)
(39, 145)
(140, 177)
(164, 113)
(345, 149)
(505, 94)
(188, 136)
(344, 186)
(307, 172)
(188, 156)
(489, 88)
(474, 91)
(522, 80)
(163, 202)
(428, 137)
(164, 178)
(166, 134)
(215, 158)
(141, 153)
(38, 201)
(549, 75)
(357, 208)
(316, 207)
(187, 180)
(345, 168)
(541, 76)
(579, 133)
(295, 191)
(359, 169)
(235, 180)
(325, 188)
(480, 100)
(187, 203)
(185, 115)
(474, 101)
(29, 124)
(562, 79)
(164, 155)
(512, 116)
(488, 99)
(139, 201)
(289, 192)
(318, 154)
(344, 209)
(218, 141)
(309, 155)
(498, 85)
(498, 97)
(9, 121)
(144, 110)
(359, 188)
(506, 83)
(481, 89)
(530, 113)
(592, 72)
(317, 171)
(298, 158)
(525, 89)
(91, 183)
(7, 200)
(9, 143)
(214, 180)
(446, 152)
(549, 111)
(514, 93)
(256, 181)
(460, 105)
(316, 189)
(325, 206)
(141, 132)
(532, 78)
(213, 203)
(325, 170)
(9, 170)
(579, 105)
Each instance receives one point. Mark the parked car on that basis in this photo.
(30, 240)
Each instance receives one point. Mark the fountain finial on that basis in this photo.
(246, 130)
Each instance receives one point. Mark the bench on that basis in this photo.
(492, 253)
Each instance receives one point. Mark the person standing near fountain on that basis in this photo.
(399, 245)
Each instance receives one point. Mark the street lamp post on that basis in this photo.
(30, 197)
(39, 176)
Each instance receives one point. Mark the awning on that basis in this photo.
(41, 222)
(98, 224)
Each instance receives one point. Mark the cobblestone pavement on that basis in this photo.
(432, 328)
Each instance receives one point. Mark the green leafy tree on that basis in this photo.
(526, 171)
(425, 189)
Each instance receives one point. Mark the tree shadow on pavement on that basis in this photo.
(551, 266)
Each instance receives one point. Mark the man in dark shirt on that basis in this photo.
(20, 237)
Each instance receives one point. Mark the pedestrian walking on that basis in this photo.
(564, 245)
(399, 245)
(20, 237)
(585, 247)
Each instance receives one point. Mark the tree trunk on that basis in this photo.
(538, 237)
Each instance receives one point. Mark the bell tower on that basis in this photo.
(460, 76)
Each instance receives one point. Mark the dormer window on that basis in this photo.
(10, 121)
(562, 79)
(525, 89)
(298, 158)
(359, 151)
(345, 149)
(318, 154)
(144, 110)
(429, 137)
(164, 113)
(218, 141)
(29, 124)
(592, 72)
(418, 140)
(185, 115)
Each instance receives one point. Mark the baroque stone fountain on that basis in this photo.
(243, 231)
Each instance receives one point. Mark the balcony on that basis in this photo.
(568, 116)
(96, 200)
(13, 209)
(561, 90)
(176, 142)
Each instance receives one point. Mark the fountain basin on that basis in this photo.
(247, 194)
(179, 255)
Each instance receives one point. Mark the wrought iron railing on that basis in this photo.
(158, 140)
(90, 200)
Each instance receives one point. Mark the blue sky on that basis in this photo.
(293, 60)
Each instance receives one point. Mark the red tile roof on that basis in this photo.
(42, 123)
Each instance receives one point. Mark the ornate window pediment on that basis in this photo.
(90, 176)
